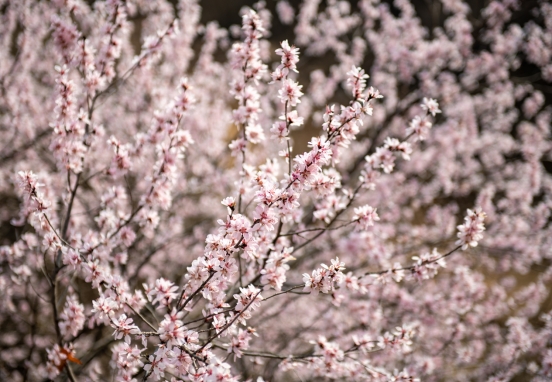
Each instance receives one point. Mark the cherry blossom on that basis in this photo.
(333, 190)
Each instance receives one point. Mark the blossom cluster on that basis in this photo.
(364, 194)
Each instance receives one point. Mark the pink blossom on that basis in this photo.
(471, 232)
(72, 317)
(163, 292)
(365, 216)
(357, 81)
(124, 327)
(324, 279)
(248, 298)
(419, 127)
(290, 92)
(285, 11)
(431, 106)
(290, 57)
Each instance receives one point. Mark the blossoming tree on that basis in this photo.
(164, 218)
